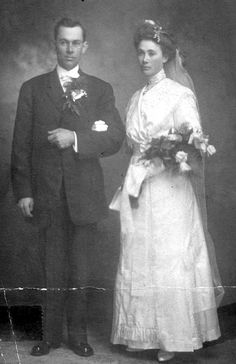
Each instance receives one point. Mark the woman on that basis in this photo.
(167, 286)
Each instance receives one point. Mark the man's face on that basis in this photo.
(70, 46)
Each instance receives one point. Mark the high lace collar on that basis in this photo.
(154, 80)
(157, 77)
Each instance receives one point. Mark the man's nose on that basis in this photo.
(69, 48)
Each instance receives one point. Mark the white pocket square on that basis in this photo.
(99, 125)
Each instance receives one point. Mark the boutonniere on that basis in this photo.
(73, 95)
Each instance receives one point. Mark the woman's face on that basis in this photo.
(151, 58)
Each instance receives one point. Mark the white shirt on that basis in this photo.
(63, 75)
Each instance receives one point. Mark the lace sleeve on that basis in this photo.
(186, 112)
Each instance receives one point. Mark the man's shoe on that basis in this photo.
(82, 349)
(163, 356)
(43, 348)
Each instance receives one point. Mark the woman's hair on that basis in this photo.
(174, 67)
(150, 30)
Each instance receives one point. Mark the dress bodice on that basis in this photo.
(155, 109)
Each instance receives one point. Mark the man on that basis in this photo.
(65, 121)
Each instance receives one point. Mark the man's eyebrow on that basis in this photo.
(73, 40)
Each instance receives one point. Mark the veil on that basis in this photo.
(175, 70)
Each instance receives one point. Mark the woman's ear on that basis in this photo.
(165, 59)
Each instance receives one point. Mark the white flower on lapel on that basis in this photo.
(99, 125)
(78, 94)
(72, 94)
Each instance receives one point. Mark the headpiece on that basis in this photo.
(174, 67)
(157, 30)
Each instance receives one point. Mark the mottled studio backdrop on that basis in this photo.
(206, 32)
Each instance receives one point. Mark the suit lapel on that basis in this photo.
(55, 91)
(83, 84)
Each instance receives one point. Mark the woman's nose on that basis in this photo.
(145, 58)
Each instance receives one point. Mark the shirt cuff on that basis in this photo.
(75, 145)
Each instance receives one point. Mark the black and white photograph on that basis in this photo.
(117, 181)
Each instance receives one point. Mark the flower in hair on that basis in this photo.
(156, 29)
(149, 22)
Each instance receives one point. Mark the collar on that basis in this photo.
(154, 80)
(63, 73)
(157, 77)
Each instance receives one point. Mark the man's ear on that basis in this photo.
(85, 47)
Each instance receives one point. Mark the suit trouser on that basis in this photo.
(65, 247)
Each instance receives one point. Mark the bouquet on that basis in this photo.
(73, 95)
(178, 146)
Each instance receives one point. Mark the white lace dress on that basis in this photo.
(164, 294)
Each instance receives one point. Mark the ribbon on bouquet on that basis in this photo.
(139, 170)
(136, 174)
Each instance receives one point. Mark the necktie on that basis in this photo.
(66, 82)
(67, 78)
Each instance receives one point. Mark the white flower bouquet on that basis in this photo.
(175, 148)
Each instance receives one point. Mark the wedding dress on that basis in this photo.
(167, 285)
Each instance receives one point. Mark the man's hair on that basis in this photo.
(69, 23)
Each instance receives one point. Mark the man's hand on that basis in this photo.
(26, 205)
(62, 138)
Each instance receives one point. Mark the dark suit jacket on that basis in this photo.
(39, 168)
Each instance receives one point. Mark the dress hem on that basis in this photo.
(149, 339)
